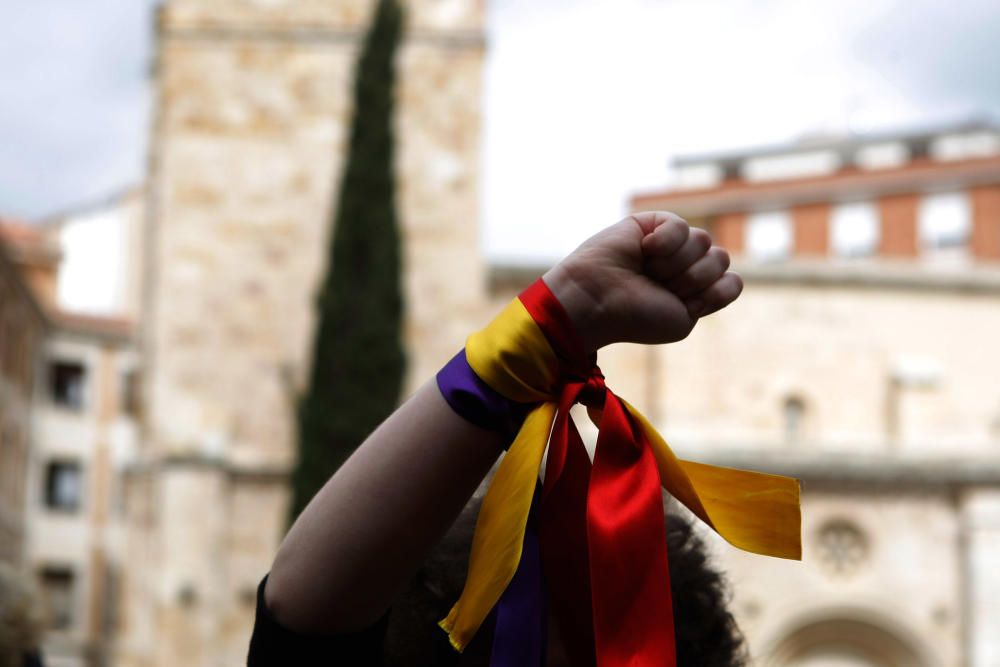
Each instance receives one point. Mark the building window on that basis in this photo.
(130, 393)
(883, 155)
(854, 229)
(695, 176)
(945, 223)
(67, 380)
(965, 146)
(63, 486)
(58, 585)
(769, 236)
(792, 165)
(842, 547)
(795, 412)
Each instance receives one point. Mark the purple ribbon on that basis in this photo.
(520, 636)
(477, 402)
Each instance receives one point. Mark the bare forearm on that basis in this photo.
(647, 279)
(371, 525)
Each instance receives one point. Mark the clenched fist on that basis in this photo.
(646, 279)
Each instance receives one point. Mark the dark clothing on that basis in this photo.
(407, 636)
(273, 644)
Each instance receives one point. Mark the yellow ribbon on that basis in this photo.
(753, 511)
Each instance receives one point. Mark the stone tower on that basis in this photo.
(251, 125)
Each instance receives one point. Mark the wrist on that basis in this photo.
(477, 402)
(582, 307)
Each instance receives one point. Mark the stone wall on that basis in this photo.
(864, 566)
(251, 133)
(886, 361)
(896, 442)
(251, 126)
(22, 329)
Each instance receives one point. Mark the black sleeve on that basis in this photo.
(271, 644)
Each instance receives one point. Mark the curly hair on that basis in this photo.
(705, 632)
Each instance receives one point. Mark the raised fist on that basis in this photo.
(646, 279)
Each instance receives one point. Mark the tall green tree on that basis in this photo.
(358, 358)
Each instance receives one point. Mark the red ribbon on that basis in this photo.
(629, 575)
(602, 530)
(563, 533)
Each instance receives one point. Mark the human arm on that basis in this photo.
(646, 279)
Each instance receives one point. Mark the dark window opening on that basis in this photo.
(63, 485)
(66, 384)
(130, 393)
(57, 586)
(795, 410)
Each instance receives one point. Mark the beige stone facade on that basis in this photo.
(894, 438)
(249, 137)
(84, 432)
(860, 359)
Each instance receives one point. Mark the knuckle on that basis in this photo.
(675, 233)
(722, 257)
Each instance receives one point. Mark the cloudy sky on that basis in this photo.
(586, 100)
(74, 100)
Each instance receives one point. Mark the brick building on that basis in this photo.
(863, 359)
(929, 195)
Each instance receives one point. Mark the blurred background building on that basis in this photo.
(862, 359)
(78, 412)
(22, 329)
(251, 123)
(153, 344)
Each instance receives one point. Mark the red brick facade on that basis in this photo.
(897, 192)
(811, 230)
(899, 225)
(985, 240)
(728, 230)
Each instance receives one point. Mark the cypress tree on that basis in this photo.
(358, 360)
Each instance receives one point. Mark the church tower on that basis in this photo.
(250, 129)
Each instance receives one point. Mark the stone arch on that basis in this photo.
(848, 639)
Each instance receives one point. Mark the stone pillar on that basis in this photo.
(899, 225)
(192, 587)
(981, 519)
(986, 222)
(811, 229)
(729, 231)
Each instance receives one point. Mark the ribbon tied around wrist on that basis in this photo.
(593, 531)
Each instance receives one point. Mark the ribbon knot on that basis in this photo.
(593, 391)
(600, 524)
